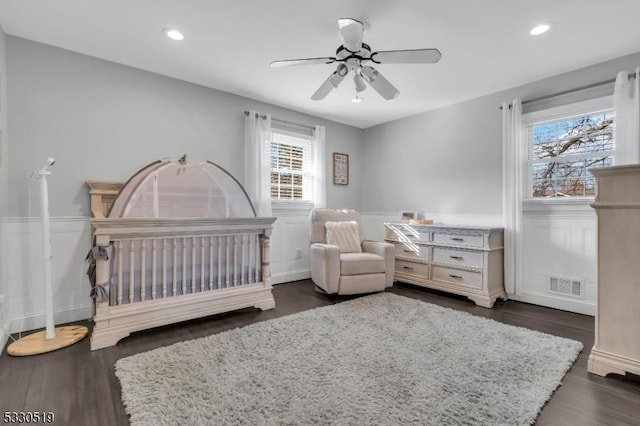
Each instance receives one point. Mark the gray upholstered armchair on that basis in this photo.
(340, 261)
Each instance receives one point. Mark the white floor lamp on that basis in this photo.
(52, 337)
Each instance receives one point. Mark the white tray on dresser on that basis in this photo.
(465, 260)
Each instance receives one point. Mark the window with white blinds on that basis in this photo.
(291, 168)
(562, 148)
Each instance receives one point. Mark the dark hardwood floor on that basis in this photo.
(79, 386)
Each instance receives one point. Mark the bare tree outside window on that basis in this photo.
(563, 150)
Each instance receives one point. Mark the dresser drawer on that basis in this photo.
(403, 232)
(455, 276)
(471, 259)
(411, 250)
(465, 240)
(419, 269)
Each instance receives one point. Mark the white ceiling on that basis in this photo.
(485, 45)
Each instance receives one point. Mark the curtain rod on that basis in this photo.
(630, 76)
(288, 123)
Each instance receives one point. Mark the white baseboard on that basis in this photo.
(557, 302)
(285, 277)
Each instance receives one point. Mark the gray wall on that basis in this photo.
(449, 160)
(104, 121)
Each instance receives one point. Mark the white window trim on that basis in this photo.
(291, 207)
(530, 203)
(592, 105)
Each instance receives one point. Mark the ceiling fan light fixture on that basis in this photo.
(357, 99)
(173, 34)
(353, 55)
(540, 29)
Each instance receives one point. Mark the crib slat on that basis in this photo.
(174, 266)
(242, 259)
(239, 262)
(184, 265)
(164, 268)
(256, 271)
(250, 258)
(219, 241)
(193, 265)
(143, 262)
(201, 264)
(232, 261)
(236, 261)
(119, 295)
(254, 237)
(210, 263)
(132, 269)
(153, 269)
(226, 270)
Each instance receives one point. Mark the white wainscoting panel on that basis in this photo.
(22, 274)
(4, 323)
(290, 248)
(373, 223)
(558, 239)
(561, 243)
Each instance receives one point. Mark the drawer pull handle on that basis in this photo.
(408, 251)
(410, 235)
(408, 267)
(457, 239)
(457, 257)
(455, 276)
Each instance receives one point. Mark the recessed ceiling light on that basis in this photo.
(173, 34)
(540, 29)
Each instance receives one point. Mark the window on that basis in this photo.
(291, 168)
(564, 144)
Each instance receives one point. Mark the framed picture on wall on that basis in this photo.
(340, 169)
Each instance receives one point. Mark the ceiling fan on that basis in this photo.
(353, 56)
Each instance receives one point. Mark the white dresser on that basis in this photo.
(617, 340)
(465, 260)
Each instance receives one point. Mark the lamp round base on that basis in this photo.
(36, 343)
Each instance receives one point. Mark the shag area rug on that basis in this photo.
(377, 360)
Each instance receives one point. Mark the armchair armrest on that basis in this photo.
(325, 266)
(385, 250)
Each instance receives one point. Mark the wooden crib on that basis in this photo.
(158, 271)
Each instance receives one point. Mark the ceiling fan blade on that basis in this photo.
(331, 83)
(351, 32)
(307, 61)
(378, 82)
(412, 56)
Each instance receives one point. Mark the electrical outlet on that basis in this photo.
(298, 253)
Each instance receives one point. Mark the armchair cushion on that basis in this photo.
(361, 263)
(345, 235)
(385, 250)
